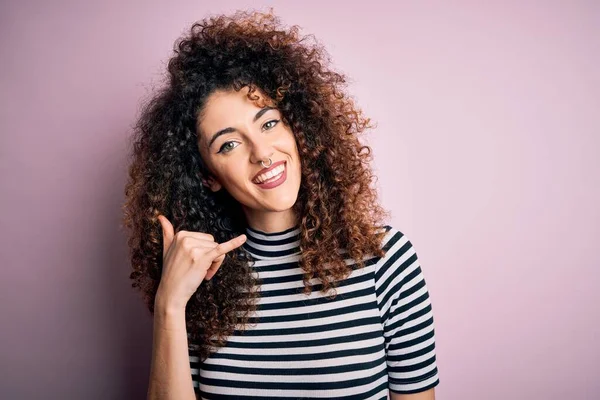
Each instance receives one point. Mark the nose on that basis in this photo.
(261, 150)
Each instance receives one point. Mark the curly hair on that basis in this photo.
(336, 204)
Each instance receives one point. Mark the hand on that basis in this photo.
(188, 259)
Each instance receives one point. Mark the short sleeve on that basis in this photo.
(407, 317)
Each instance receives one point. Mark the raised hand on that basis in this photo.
(188, 259)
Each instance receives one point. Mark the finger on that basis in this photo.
(225, 247)
(168, 233)
(189, 242)
(197, 235)
(214, 267)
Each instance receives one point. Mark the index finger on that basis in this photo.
(225, 247)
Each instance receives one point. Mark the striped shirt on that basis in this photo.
(376, 336)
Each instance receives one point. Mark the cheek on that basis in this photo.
(232, 175)
(290, 143)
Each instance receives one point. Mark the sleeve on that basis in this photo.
(407, 317)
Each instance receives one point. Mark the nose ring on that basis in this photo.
(265, 166)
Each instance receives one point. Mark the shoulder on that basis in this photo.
(393, 239)
(399, 253)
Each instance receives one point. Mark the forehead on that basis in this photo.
(227, 106)
(220, 99)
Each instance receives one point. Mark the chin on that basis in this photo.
(285, 205)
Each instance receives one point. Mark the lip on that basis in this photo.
(262, 171)
(274, 184)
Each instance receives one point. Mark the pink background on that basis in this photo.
(486, 150)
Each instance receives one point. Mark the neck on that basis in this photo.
(271, 221)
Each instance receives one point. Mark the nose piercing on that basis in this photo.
(265, 166)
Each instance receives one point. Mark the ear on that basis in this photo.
(212, 184)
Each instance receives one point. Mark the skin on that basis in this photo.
(233, 158)
(426, 395)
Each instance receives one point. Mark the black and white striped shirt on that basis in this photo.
(376, 335)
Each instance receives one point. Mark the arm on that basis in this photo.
(188, 258)
(426, 395)
(170, 373)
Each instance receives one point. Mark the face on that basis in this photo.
(235, 134)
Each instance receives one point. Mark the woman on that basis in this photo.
(256, 236)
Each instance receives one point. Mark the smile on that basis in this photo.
(273, 178)
(271, 175)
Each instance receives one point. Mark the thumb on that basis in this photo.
(168, 233)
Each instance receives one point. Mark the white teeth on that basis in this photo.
(275, 172)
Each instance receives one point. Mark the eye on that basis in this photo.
(225, 148)
(276, 121)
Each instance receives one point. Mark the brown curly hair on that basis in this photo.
(336, 204)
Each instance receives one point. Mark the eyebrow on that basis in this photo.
(229, 130)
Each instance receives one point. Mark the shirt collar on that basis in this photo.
(273, 245)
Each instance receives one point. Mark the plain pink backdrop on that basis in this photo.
(486, 146)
